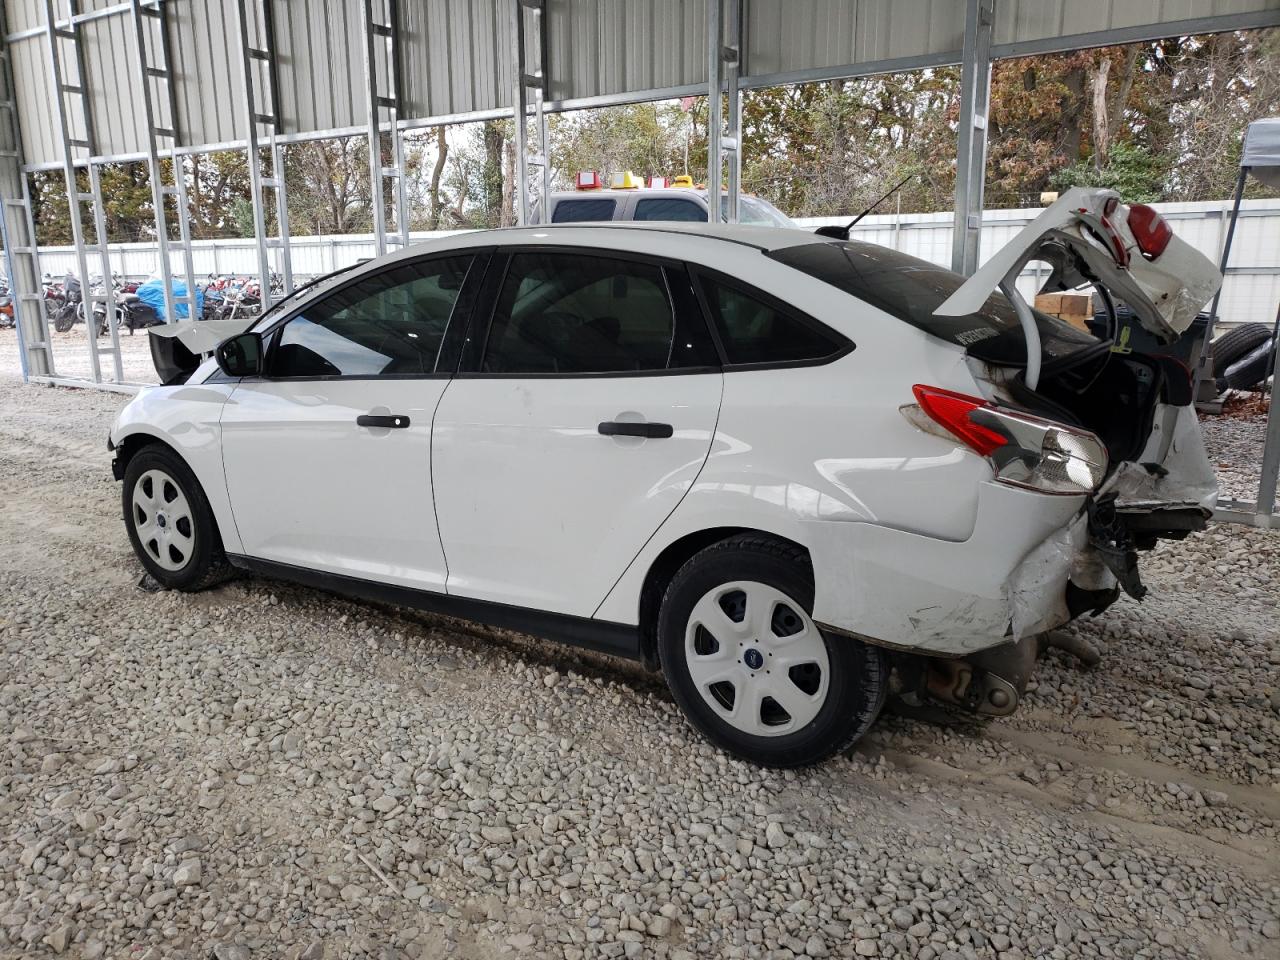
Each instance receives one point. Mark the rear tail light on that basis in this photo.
(1023, 450)
(1151, 230)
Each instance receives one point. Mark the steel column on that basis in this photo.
(158, 190)
(74, 194)
(1205, 367)
(18, 232)
(971, 159)
(389, 55)
(715, 119)
(732, 139)
(252, 118)
(524, 81)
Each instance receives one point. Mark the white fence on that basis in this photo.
(1251, 292)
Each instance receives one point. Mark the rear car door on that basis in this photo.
(328, 456)
(583, 412)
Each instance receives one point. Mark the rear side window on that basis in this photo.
(583, 211)
(670, 208)
(752, 330)
(562, 313)
(911, 289)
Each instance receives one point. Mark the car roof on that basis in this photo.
(588, 234)
(699, 193)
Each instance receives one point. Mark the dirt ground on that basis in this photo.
(263, 770)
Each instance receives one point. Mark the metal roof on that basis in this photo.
(456, 60)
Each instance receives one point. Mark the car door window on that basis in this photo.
(390, 324)
(562, 313)
(583, 211)
(752, 330)
(669, 208)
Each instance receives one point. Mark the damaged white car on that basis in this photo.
(789, 471)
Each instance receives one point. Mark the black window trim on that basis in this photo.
(458, 317)
(482, 316)
(697, 272)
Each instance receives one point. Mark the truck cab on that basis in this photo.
(626, 199)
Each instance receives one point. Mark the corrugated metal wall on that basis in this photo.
(604, 47)
(456, 54)
(827, 34)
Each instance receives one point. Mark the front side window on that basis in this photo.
(583, 211)
(391, 324)
(565, 313)
(670, 208)
(754, 331)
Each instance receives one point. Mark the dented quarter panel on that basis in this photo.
(916, 592)
(1190, 480)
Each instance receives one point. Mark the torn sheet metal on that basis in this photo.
(202, 336)
(1036, 591)
(1174, 469)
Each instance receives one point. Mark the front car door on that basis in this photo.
(328, 455)
(580, 418)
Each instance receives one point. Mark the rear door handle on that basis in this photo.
(655, 431)
(393, 420)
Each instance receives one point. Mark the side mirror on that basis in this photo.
(241, 355)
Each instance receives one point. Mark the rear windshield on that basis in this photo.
(583, 211)
(911, 289)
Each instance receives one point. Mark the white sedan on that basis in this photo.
(790, 471)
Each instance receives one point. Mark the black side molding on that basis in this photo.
(603, 636)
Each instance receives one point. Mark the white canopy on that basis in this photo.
(1262, 150)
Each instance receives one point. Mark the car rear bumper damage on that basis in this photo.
(981, 610)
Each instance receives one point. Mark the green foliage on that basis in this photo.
(1132, 171)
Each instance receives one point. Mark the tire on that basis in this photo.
(1235, 343)
(1251, 369)
(64, 321)
(170, 524)
(833, 690)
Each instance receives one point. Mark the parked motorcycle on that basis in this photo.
(71, 309)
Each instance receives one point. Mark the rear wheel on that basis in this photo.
(748, 665)
(170, 523)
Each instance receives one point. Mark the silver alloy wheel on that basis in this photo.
(757, 658)
(162, 519)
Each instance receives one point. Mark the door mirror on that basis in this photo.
(240, 356)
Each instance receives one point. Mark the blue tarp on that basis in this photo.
(152, 294)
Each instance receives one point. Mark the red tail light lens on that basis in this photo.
(1151, 230)
(1023, 450)
(952, 410)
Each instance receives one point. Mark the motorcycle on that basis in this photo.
(72, 307)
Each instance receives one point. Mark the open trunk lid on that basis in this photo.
(1090, 236)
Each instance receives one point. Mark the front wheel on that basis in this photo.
(748, 665)
(170, 524)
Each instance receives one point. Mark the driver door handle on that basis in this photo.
(654, 431)
(394, 421)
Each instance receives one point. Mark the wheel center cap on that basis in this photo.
(753, 658)
(160, 520)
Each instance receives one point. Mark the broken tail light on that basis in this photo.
(1150, 230)
(1023, 450)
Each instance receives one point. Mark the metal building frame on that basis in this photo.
(398, 64)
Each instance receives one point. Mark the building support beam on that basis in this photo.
(731, 142)
(971, 158)
(529, 79)
(715, 111)
(252, 118)
(18, 232)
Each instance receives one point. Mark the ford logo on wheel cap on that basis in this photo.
(753, 658)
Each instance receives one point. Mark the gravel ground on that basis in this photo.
(266, 771)
(71, 355)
